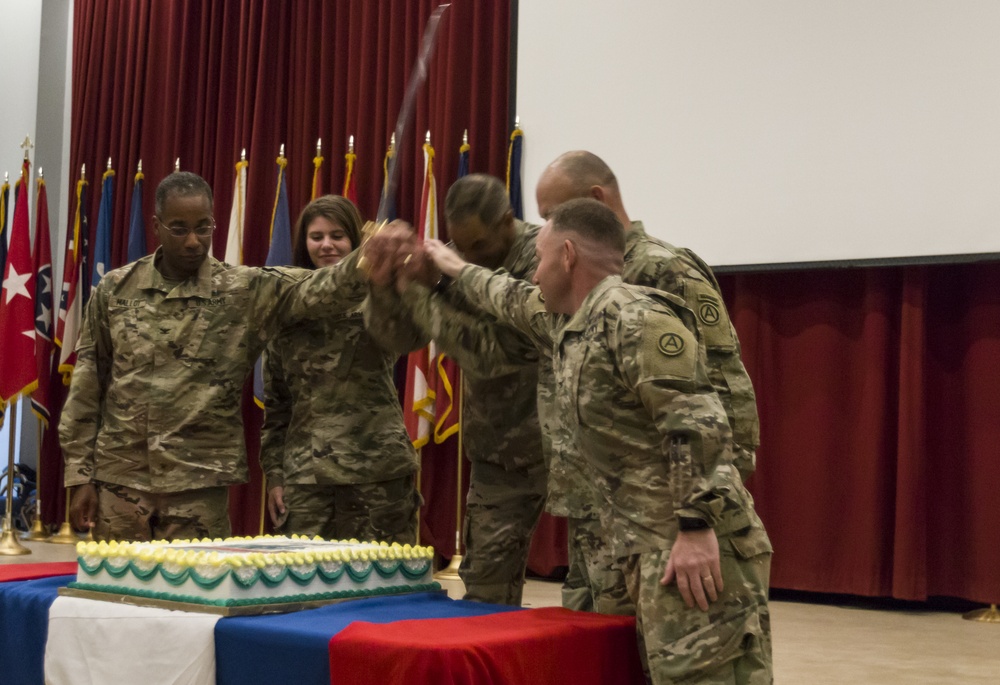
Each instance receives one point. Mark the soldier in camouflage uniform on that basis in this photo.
(592, 584)
(501, 433)
(633, 389)
(653, 263)
(334, 448)
(152, 430)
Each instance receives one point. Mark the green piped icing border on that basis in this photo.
(176, 579)
(192, 599)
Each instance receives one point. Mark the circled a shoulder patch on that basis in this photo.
(668, 349)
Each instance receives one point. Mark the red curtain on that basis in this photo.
(877, 393)
(200, 80)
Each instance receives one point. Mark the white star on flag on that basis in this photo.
(15, 284)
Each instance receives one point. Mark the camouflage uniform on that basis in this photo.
(679, 271)
(501, 435)
(634, 391)
(154, 404)
(656, 264)
(333, 434)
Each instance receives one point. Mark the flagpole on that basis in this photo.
(66, 534)
(9, 544)
(38, 530)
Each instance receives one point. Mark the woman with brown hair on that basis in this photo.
(334, 449)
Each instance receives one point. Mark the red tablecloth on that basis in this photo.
(32, 571)
(537, 646)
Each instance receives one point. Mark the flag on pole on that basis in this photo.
(41, 398)
(390, 152)
(4, 199)
(73, 286)
(448, 373)
(419, 402)
(317, 163)
(136, 224)
(350, 186)
(102, 241)
(234, 241)
(278, 254)
(18, 370)
(514, 172)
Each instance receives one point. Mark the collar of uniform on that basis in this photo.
(636, 232)
(513, 262)
(578, 322)
(199, 286)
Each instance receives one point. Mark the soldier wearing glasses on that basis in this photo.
(152, 430)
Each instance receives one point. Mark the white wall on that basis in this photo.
(758, 131)
(35, 58)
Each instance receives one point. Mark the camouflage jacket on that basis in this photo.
(499, 417)
(331, 412)
(633, 395)
(648, 262)
(155, 398)
(656, 264)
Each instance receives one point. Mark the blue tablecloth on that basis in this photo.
(293, 648)
(24, 625)
(284, 648)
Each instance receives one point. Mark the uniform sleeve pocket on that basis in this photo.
(752, 544)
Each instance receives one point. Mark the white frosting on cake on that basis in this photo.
(238, 571)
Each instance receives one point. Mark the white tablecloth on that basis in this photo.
(103, 643)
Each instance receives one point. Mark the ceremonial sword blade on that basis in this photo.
(417, 78)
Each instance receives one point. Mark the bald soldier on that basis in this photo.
(152, 430)
(637, 401)
(501, 433)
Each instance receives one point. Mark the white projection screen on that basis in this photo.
(776, 132)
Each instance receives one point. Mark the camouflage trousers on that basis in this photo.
(730, 644)
(502, 510)
(125, 513)
(384, 511)
(594, 581)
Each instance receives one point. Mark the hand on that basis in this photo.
(276, 506)
(694, 563)
(386, 251)
(419, 267)
(83, 507)
(446, 259)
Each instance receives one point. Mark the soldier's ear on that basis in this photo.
(569, 255)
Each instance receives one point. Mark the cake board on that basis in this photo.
(224, 611)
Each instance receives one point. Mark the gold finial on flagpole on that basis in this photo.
(6, 177)
(427, 138)
(138, 167)
(392, 142)
(243, 155)
(40, 173)
(83, 172)
(27, 145)
(350, 144)
(281, 150)
(109, 164)
(465, 137)
(319, 147)
(517, 121)
(177, 164)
